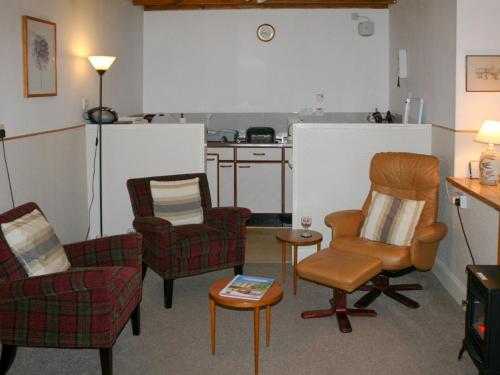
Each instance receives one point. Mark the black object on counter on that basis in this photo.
(260, 135)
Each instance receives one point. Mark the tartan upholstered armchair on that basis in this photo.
(84, 307)
(191, 249)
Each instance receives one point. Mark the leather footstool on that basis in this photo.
(344, 272)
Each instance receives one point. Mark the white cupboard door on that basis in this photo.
(212, 161)
(259, 187)
(226, 184)
(288, 188)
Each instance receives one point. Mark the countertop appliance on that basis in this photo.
(222, 135)
(260, 135)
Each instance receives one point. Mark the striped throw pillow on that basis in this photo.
(391, 220)
(35, 245)
(179, 202)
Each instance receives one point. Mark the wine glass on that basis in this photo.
(306, 222)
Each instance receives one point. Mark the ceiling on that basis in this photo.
(263, 4)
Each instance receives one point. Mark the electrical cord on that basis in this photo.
(8, 173)
(92, 195)
(463, 230)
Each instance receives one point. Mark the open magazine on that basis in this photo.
(247, 287)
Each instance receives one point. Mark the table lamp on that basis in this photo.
(101, 64)
(488, 168)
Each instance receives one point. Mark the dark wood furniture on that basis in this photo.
(152, 5)
(294, 237)
(271, 297)
(482, 326)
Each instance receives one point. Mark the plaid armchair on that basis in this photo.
(84, 307)
(185, 250)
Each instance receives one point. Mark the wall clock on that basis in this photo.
(265, 32)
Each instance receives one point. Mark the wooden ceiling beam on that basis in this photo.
(151, 5)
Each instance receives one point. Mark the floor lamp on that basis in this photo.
(101, 64)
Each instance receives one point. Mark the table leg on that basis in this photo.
(268, 324)
(283, 261)
(256, 338)
(295, 249)
(212, 323)
(318, 247)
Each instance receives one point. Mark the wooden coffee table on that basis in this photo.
(272, 296)
(294, 237)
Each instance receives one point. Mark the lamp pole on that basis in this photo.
(101, 64)
(101, 73)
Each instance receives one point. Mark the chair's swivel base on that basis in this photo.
(380, 284)
(339, 308)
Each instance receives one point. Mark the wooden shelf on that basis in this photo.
(485, 193)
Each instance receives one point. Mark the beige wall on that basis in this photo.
(51, 169)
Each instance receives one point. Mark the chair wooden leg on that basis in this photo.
(106, 355)
(368, 298)
(144, 270)
(135, 318)
(238, 270)
(381, 285)
(168, 291)
(339, 308)
(408, 302)
(7, 358)
(406, 287)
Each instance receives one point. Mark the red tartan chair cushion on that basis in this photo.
(84, 307)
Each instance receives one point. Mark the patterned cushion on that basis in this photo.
(35, 245)
(391, 220)
(179, 202)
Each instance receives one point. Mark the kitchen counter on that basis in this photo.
(243, 144)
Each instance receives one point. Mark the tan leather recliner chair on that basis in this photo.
(406, 176)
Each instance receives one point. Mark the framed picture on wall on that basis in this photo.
(482, 73)
(39, 57)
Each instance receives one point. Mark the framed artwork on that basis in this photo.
(39, 57)
(482, 73)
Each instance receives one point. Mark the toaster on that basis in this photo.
(260, 135)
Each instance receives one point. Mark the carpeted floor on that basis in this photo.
(177, 341)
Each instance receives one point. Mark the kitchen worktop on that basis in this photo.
(244, 144)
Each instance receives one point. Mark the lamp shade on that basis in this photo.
(102, 63)
(489, 132)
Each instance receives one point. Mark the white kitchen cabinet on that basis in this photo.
(226, 184)
(258, 187)
(211, 169)
(258, 153)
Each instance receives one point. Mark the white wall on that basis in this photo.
(331, 164)
(477, 34)
(138, 151)
(438, 36)
(212, 61)
(427, 30)
(50, 168)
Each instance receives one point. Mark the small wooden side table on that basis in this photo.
(271, 297)
(294, 237)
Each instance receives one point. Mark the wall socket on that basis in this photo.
(460, 199)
